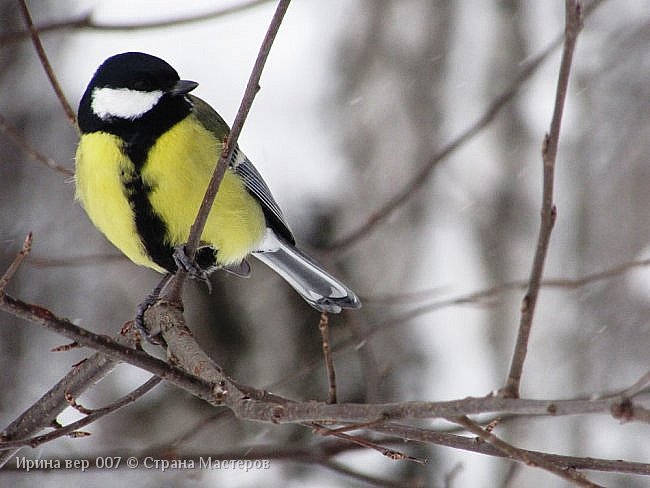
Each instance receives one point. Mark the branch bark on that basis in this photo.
(549, 211)
(42, 56)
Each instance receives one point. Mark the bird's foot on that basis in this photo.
(192, 267)
(150, 299)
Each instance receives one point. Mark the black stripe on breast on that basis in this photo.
(139, 136)
(151, 228)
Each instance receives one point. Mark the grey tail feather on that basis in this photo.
(320, 289)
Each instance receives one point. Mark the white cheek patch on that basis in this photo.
(123, 103)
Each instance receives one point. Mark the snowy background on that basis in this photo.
(356, 97)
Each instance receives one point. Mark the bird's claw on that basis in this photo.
(151, 299)
(190, 266)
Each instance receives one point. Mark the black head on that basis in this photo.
(136, 71)
(129, 87)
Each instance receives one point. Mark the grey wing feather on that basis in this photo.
(242, 166)
(257, 187)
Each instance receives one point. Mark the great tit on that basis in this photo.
(146, 154)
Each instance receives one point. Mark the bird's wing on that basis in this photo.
(258, 188)
(243, 167)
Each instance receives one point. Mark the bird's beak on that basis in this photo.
(182, 87)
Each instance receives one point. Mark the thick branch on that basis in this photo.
(109, 347)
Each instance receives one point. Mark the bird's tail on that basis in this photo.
(321, 290)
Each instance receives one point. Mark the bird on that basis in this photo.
(146, 152)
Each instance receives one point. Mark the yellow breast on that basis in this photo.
(178, 169)
(100, 164)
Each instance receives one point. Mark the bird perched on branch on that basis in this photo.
(146, 154)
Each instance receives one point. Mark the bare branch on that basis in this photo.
(173, 293)
(91, 416)
(446, 439)
(230, 143)
(323, 326)
(398, 435)
(549, 212)
(20, 141)
(43, 412)
(259, 405)
(87, 22)
(15, 264)
(526, 457)
(40, 50)
(384, 451)
(420, 178)
(98, 259)
(108, 346)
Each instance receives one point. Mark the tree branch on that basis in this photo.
(454, 441)
(382, 214)
(263, 406)
(230, 143)
(43, 412)
(87, 22)
(526, 457)
(109, 347)
(91, 416)
(15, 264)
(20, 141)
(173, 292)
(549, 212)
(40, 50)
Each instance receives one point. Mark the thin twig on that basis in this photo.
(230, 143)
(562, 283)
(15, 264)
(91, 416)
(174, 290)
(72, 401)
(446, 439)
(69, 112)
(526, 457)
(384, 451)
(99, 259)
(417, 182)
(42, 413)
(323, 326)
(20, 141)
(87, 22)
(640, 385)
(364, 425)
(549, 212)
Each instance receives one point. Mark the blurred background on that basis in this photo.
(357, 97)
